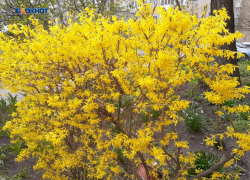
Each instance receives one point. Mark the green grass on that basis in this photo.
(243, 68)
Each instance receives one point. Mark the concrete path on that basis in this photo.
(6, 91)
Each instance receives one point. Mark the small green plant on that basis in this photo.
(155, 113)
(194, 81)
(4, 133)
(243, 68)
(156, 144)
(120, 155)
(209, 125)
(239, 168)
(144, 117)
(125, 102)
(12, 102)
(190, 93)
(193, 117)
(241, 126)
(208, 102)
(217, 143)
(17, 147)
(198, 98)
(242, 115)
(230, 103)
(247, 83)
(22, 174)
(3, 119)
(2, 158)
(3, 103)
(116, 130)
(14, 148)
(225, 116)
(204, 161)
(4, 149)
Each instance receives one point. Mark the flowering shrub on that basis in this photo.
(86, 89)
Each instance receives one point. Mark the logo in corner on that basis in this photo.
(32, 10)
(23, 11)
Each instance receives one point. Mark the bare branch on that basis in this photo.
(178, 4)
(213, 168)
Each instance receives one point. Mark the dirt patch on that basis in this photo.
(196, 140)
(4, 141)
(11, 169)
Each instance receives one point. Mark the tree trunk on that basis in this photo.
(178, 4)
(229, 5)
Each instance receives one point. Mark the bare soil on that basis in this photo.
(196, 140)
(12, 168)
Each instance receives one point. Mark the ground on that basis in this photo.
(9, 168)
(196, 140)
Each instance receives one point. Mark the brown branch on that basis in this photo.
(170, 166)
(120, 104)
(218, 119)
(213, 168)
(163, 116)
(140, 13)
(170, 156)
(178, 158)
(178, 175)
(154, 9)
(103, 111)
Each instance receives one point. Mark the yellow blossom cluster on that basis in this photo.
(86, 89)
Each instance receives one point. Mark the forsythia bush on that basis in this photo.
(87, 91)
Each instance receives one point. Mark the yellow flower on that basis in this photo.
(110, 108)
